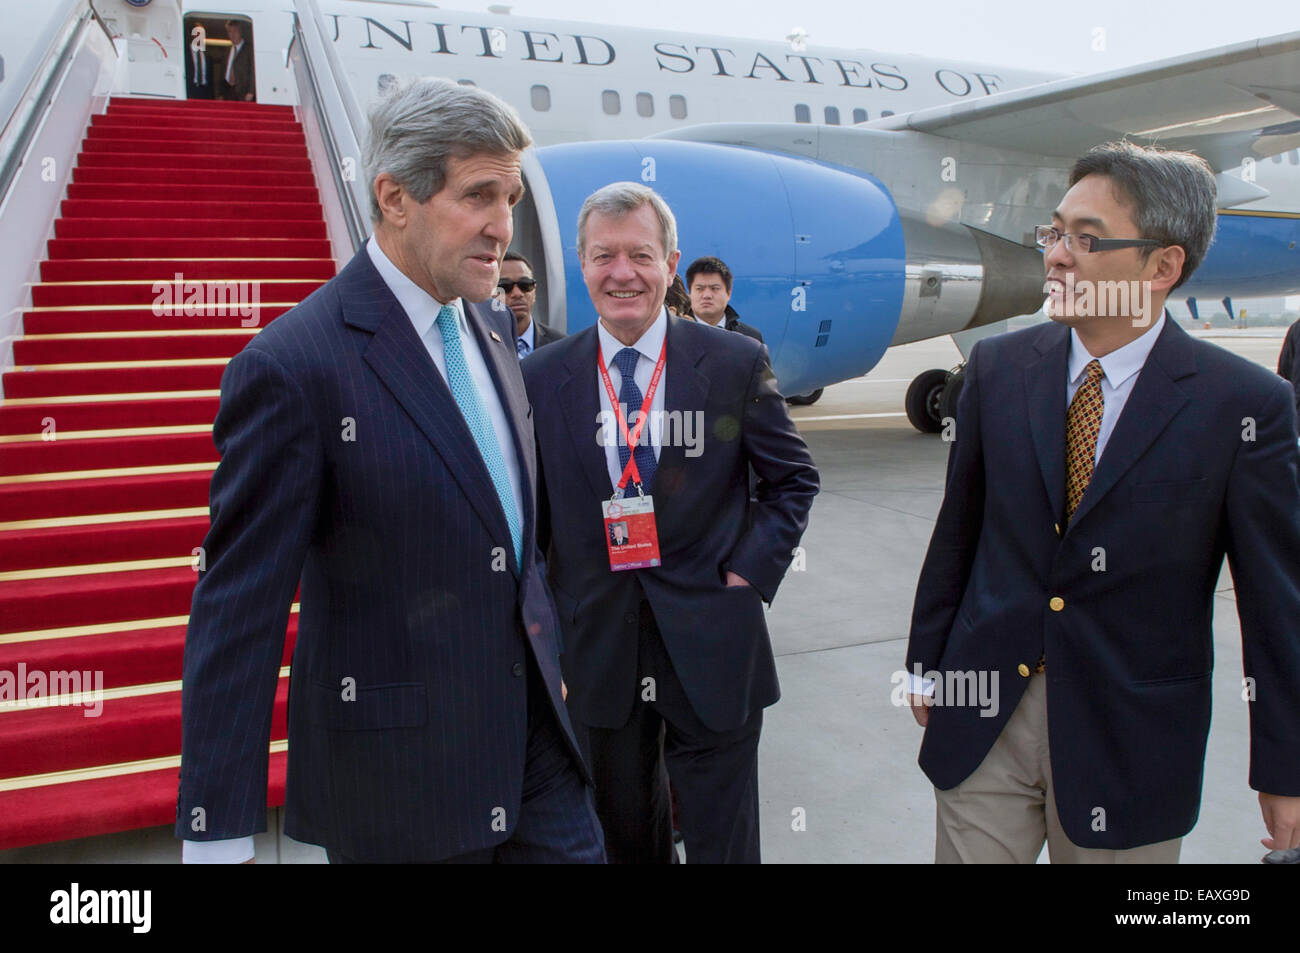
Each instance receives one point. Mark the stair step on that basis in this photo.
(217, 178)
(104, 806)
(138, 208)
(100, 453)
(30, 419)
(63, 601)
(140, 656)
(36, 351)
(153, 192)
(163, 294)
(51, 499)
(185, 228)
(194, 167)
(62, 321)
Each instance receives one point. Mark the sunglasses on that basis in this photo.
(525, 285)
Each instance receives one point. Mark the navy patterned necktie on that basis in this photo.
(522, 347)
(630, 396)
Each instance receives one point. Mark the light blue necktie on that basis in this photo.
(480, 424)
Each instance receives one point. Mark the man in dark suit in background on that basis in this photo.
(708, 280)
(670, 662)
(1103, 465)
(237, 79)
(376, 442)
(517, 290)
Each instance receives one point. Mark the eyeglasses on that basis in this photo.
(525, 285)
(1047, 236)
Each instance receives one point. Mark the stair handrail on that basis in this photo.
(38, 92)
(343, 126)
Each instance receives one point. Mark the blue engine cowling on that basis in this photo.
(817, 251)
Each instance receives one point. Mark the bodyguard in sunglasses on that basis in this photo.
(517, 288)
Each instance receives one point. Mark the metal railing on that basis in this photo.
(343, 127)
(38, 93)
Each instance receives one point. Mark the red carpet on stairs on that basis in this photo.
(187, 227)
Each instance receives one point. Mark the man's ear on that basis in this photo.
(673, 259)
(1169, 267)
(392, 199)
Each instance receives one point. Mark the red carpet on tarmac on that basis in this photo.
(187, 227)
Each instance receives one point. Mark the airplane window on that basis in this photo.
(541, 98)
(859, 115)
(677, 106)
(645, 105)
(802, 113)
(832, 116)
(1294, 156)
(886, 112)
(465, 82)
(609, 100)
(1277, 159)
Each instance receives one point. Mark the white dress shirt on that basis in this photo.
(648, 345)
(230, 60)
(526, 337)
(1121, 367)
(422, 309)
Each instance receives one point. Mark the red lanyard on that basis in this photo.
(631, 471)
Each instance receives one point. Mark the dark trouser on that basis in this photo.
(715, 774)
(557, 817)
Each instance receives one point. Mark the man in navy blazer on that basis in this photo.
(669, 666)
(376, 443)
(1103, 465)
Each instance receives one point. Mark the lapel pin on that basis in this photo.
(496, 337)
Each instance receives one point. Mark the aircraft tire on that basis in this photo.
(922, 401)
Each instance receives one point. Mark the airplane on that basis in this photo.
(863, 199)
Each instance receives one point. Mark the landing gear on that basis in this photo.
(803, 400)
(924, 402)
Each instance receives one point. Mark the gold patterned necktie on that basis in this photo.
(1082, 424)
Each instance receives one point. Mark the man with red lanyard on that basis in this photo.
(653, 422)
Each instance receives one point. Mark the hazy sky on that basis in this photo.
(1035, 34)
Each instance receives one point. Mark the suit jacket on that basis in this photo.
(241, 73)
(731, 321)
(544, 334)
(1288, 360)
(717, 637)
(346, 462)
(1202, 461)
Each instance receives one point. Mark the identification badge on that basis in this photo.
(630, 533)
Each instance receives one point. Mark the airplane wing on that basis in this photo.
(1226, 104)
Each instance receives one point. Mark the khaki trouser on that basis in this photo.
(1006, 809)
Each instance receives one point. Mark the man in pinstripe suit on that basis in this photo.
(377, 444)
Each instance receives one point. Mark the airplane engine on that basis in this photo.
(825, 265)
(817, 251)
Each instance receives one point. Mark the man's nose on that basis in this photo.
(500, 225)
(1058, 255)
(622, 268)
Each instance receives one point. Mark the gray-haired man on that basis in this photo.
(376, 444)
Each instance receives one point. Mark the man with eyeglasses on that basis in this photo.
(1103, 465)
(517, 290)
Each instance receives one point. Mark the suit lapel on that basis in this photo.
(1045, 381)
(502, 361)
(1153, 402)
(397, 355)
(580, 401)
(685, 391)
